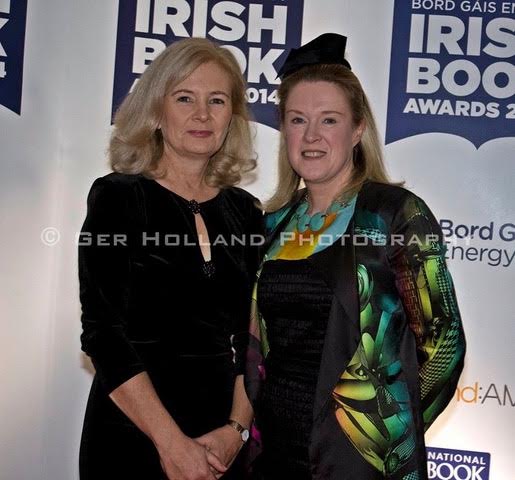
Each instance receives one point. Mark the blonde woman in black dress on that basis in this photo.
(166, 302)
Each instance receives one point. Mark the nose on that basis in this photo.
(311, 133)
(202, 111)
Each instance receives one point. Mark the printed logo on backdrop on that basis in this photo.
(478, 393)
(13, 14)
(445, 464)
(258, 32)
(492, 243)
(452, 69)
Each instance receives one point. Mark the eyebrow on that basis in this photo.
(324, 112)
(216, 92)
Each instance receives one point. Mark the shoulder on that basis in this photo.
(115, 180)
(374, 194)
(392, 208)
(273, 219)
(388, 206)
(117, 183)
(242, 207)
(241, 194)
(115, 190)
(242, 199)
(388, 199)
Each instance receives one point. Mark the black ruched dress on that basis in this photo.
(296, 303)
(149, 304)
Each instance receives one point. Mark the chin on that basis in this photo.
(312, 177)
(207, 152)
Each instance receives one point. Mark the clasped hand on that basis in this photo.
(224, 442)
(205, 458)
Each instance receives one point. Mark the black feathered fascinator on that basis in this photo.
(328, 48)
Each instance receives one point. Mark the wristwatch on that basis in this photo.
(244, 433)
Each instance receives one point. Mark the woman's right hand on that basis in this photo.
(184, 459)
(181, 457)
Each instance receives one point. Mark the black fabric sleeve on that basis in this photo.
(254, 251)
(104, 275)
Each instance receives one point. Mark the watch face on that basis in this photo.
(245, 435)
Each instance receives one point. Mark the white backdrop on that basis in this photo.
(55, 147)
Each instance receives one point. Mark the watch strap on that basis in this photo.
(244, 433)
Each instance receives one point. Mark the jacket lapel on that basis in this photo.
(337, 266)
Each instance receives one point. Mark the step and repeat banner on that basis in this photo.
(440, 75)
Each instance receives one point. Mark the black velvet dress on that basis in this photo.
(150, 303)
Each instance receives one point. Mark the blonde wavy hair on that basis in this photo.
(136, 144)
(367, 157)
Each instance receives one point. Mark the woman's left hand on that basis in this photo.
(225, 442)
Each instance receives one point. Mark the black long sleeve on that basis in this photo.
(104, 274)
